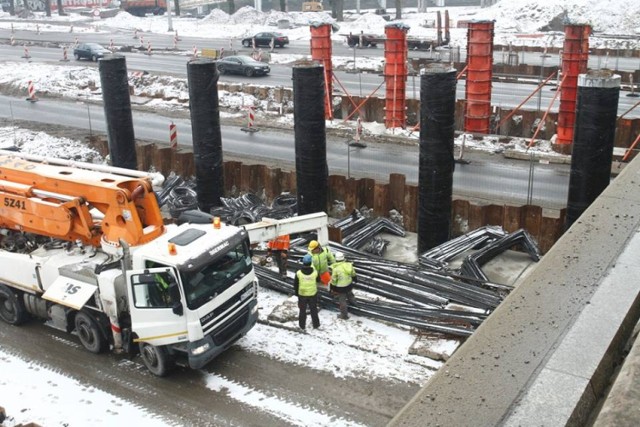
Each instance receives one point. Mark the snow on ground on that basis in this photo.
(363, 340)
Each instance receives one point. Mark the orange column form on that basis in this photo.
(575, 54)
(395, 75)
(321, 52)
(479, 73)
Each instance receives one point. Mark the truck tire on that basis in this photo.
(156, 359)
(12, 308)
(89, 333)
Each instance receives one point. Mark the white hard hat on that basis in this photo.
(339, 256)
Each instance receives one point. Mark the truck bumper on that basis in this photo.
(224, 336)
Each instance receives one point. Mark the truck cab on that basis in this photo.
(192, 294)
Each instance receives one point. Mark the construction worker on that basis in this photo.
(279, 249)
(343, 276)
(304, 286)
(322, 259)
(162, 287)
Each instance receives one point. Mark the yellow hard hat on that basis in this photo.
(313, 244)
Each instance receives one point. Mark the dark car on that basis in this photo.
(91, 51)
(368, 40)
(264, 39)
(244, 65)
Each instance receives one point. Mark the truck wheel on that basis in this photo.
(12, 308)
(89, 333)
(156, 359)
(246, 43)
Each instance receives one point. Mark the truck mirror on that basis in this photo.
(177, 308)
(174, 294)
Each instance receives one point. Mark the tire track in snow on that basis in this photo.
(288, 411)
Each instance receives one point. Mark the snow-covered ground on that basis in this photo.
(23, 381)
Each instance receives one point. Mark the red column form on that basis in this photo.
(575, 54)
(321, 52)
(479, 72)
(395, 75)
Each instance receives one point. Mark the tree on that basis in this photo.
(47, 8)
(12, 7)
(337, 9)
(26, 5)
(176, 7)
(398, 9)
(61, 11)
(283, 5)
(232, 6)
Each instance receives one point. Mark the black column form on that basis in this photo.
(117, 111)
(202, 76)
(436, 164)
(593, 137)
(312, 172)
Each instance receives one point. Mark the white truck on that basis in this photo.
(84, 248)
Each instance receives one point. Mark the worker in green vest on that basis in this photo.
(343, 276)
(305, 287)
(322, 259)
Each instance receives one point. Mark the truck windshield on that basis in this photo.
(225, 269)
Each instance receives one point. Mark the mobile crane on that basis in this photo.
(84, 247)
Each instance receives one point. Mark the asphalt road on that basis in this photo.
(184, 398)
(487, 176)
(504, 95)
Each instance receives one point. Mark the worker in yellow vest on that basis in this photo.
(343, 276)
(322, 259)
(305, 287)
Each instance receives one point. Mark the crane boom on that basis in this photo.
(71, 203)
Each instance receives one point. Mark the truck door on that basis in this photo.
(156, 316)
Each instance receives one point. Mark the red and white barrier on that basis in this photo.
(221, 52)
(135, 34)
(358, 129)
(12, 30)
(26, 52)
(195, 52)
(142, 42)
(111, 47)
(173, 136)
(37, 29)
(176, 36)
(12, 40)
(175, 41)
(71, 28)
(250, 120)
(148, 48)
(75, 44)
(64, 54)
(31, 90)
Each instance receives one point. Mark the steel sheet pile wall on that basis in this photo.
(117, 111)
(436, 165)
(598, 93)
(395, 74)
(312, 173)
(575, 55)
(321, 52)
(479, 74)
(202, 77)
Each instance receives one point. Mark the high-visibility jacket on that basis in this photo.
(307, 283)
(342, 274)
(322, 260)
(281, 243)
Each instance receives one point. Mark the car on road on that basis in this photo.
(264, 39)
(91, 51)
(245, 65)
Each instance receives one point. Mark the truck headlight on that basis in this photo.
(200, 349)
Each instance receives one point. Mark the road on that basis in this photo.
(484, 178)
(504, 95)
(275, 393)
(124, 37)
